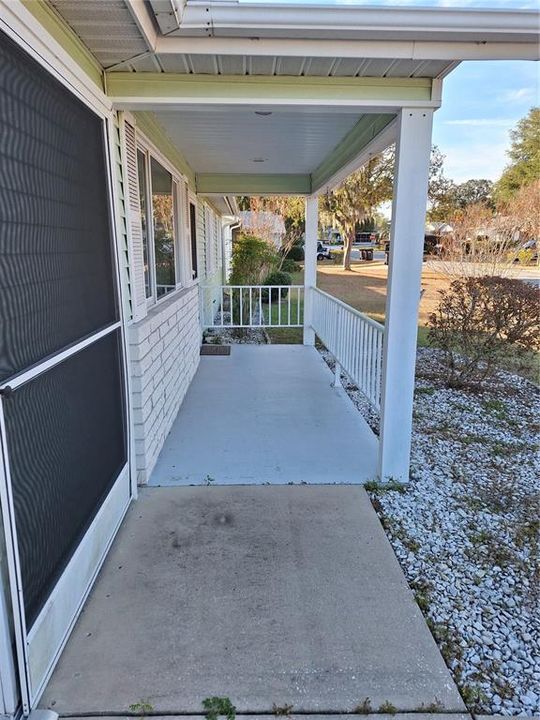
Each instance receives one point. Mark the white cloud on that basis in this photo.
(475, 160)
(482, 122)
(525, 94)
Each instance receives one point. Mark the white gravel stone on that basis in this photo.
(464, 531)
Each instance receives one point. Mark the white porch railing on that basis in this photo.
(252, 306)
(354, 339)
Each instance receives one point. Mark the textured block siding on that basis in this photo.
(163, 356)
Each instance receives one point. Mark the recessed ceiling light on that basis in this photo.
(263, 113)
(259, 160)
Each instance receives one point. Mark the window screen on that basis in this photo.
(55, 238)
(66, 443)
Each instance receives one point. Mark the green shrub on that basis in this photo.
(476, 322)
(252, 260)
(290, 266)
(295, 253)
(277, 278)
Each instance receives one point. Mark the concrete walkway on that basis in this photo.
(266, 414)
(286, 595)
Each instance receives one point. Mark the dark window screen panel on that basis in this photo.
(66, 443)
(56, 263)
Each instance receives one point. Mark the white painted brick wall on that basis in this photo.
(163, 357)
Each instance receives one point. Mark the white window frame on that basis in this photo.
(191, 198)
(178, 180)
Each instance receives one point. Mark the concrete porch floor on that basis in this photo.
(266, 414)
(286, 595)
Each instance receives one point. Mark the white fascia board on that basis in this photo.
(397, 49)
(141, 16)
(316, 21)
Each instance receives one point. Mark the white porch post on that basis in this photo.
(413, 151)
(310, 265)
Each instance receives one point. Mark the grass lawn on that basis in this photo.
(364, 288)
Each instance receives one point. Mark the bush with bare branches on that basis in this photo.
(477, 319)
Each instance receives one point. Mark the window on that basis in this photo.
(143, 195)
(163, 226)
(193, 233)
(157, 195)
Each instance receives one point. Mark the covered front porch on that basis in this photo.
(266, 414)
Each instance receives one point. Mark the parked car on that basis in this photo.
(323, 252)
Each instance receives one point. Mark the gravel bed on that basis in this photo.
(466, 530)
(235, 336)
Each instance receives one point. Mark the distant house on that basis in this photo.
(267, 225)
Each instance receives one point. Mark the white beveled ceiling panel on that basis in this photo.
(230, 141)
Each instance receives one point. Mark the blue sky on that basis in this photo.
(482, 101)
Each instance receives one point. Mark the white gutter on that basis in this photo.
(345, 22)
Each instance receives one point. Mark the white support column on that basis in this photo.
(413, 152)
(310, 265)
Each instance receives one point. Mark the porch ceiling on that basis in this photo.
(242, 141)
(256, 150)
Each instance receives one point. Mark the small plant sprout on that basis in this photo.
(209, 480)
(387, 708)
(282, 710)
(364, 708)
(433, 707)
(141, 707)
(219, 707)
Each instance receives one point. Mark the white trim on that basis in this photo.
(114, 202)
(22, 26)
(75, 584)
(302, 47)
(142, 103)
(144, 22)
(8, 676)
(14, 567)
(148, 146)
(39, 368)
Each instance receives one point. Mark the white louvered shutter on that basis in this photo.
(138, 290)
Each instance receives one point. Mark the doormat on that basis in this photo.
(215, 349)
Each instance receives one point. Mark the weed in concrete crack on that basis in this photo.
(387, 708)
(283, 710)
(141, 707)
(364, 708)
(209, 480)
(390, 485)
(217, 706)
(473, 696)
(433, 707)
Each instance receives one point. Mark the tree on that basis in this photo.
(473, 192)
(357, 197)
(524, 154)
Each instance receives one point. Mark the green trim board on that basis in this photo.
(253, 184)
(365, 130)
(227, 88)
(149, 126)
(51, 21)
